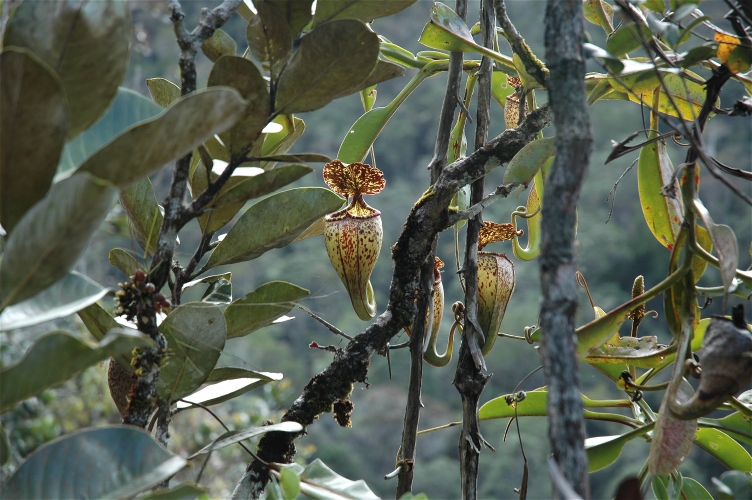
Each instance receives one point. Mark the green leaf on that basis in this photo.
(534, 405)
(737, 482)
(602, 451)
(163, 92)
(657, 6)
(224, 391)
(218, 292)
(196, 335)
(215, 219)
(363, 10)
(208, 279)
(243, 75)
(281, 142)
(447, 31)
(237, 436)
(295, 158)
(273, 223)
(290, 483)
(188, 122)
(5, 450)
(332, 60)
(218, 45)
(663, 214)
(34, 107)
(123, 260)
(687, 95)
(183, 491)
(699, 54)
(732, 422)
(599, 13)
(659, 485)
(297, 13)
(383, 72)
(104, 462)
(500, 89)
(320, 482)
(261, 307)
(99, 322)
(144, 213)
(529, 160)
(128, 109)
(72, 293)
(694, 490)
(724, 448)
(628, 38)
(642, 352)
(62, 355)
(724, 241)
(269, 37)
(261, 185)
(52, 236)
(87, 43)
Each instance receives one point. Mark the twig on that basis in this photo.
(324, 322)
(612, 193)
(501, 191)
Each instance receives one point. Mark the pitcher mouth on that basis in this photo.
(356, 209)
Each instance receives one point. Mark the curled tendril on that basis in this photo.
(491, 232)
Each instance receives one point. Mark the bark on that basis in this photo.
(469, 379)
(564, 59)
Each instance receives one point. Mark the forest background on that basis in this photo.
(612, 249)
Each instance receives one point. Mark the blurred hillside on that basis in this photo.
(611, 252)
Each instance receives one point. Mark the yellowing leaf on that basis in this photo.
(736, 57)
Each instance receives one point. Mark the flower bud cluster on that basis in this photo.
(137, 297)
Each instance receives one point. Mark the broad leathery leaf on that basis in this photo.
(628, 38)
(672, 437)
(162, 91)
(383, 72)
(363, 10)
(500, 89)
(724, 448)
(688, 103)
(694, 490)
(51, 237)
(233, 373)
(269, 37)
(208, 279)
(184, 125)
(659, 485)
(315, 229)
(144, 213)
(724, 241)
(296, 158)
(104, 462)
(534, 405)
(297, 13)
(196, 334)
(123, 260)
(529, 160)
(34, 108)
(273, 223)
(599, 13)
(218, 292)
(222, 391)
(87, 43)
(218, 45)
(662, 213)
(290, 483)
(281, 142)
(261, 307)
(734, 483)
(602, 451)
(320, 482)
(62, 355)
(331, 60)
(183, 491)
(67, 296)
(99, 322)
(4, 446)
(447, 31)
(215, 219)
(261, 185)
(642, 352)
(657, 6)
(697, 55)
(129, 108)
(243, 75)
(237, 436)
(366, 129)
(731, 423)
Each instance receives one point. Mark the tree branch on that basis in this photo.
(566, 427)
(533, 65)
(427, 218)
